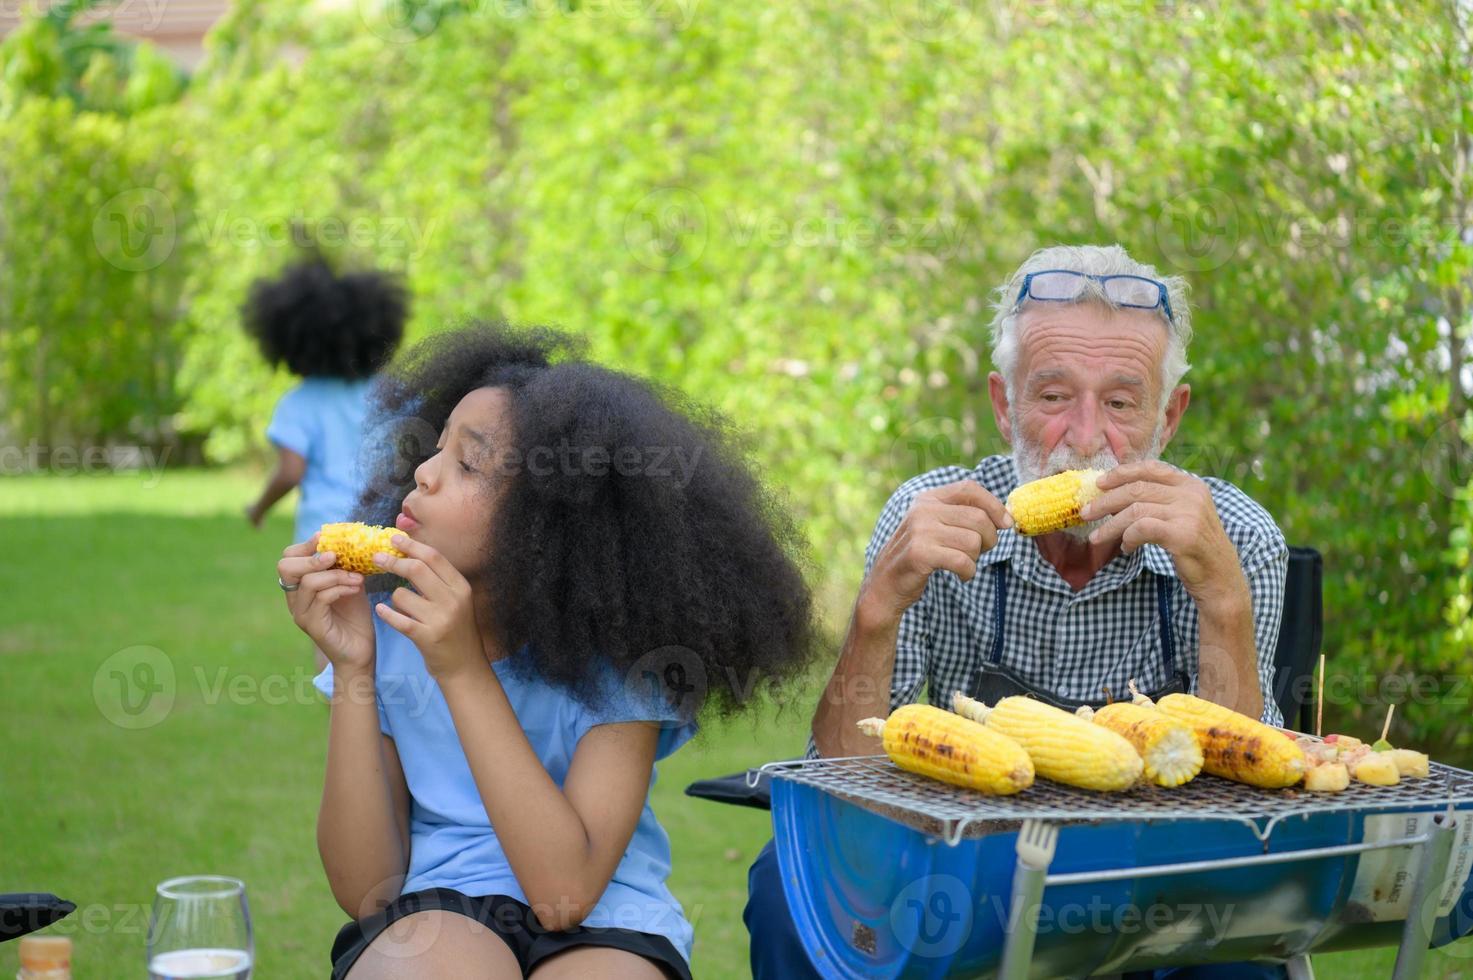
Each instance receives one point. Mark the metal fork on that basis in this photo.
(1037, 840)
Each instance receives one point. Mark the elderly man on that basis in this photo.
(1176, 582)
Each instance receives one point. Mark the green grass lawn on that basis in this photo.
(99, 810)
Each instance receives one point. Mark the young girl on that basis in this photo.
(589, 564)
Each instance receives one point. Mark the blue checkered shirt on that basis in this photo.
(1077, 645)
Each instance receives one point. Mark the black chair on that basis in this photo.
(1300, 635)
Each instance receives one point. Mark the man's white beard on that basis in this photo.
(1030, 464)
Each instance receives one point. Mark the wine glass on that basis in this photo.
(200, 928)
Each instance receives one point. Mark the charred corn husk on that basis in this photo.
(1235, 746)
(945, 746)
(1063, 747)
(1053, 503)
(1168, 747)
(355, 545)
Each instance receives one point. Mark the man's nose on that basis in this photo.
(1086, 435)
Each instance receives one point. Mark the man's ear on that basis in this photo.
(1176, 407)
(997, 390)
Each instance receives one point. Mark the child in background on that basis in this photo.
(335, 332)
(592, 563)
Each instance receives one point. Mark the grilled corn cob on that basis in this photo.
(936, 743)
(1063, 747)
(355, 545)
(1168, 747)
(1053, 503)
(1235, 746)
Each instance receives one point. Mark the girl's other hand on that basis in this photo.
(440, 617)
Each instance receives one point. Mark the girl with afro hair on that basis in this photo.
(589, 564)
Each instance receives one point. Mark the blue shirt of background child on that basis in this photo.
(321, 419)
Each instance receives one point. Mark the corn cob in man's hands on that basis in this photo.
(356, 544)
(1053, 503)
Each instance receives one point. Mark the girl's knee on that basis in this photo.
(432, 945)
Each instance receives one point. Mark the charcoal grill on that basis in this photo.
(889, 874)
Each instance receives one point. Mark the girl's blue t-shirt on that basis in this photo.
(321, 420)
(452, 842)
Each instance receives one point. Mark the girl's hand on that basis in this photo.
(440, 617)
(330, 606)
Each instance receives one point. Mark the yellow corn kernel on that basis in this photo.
(936, 743)
(1235, 746)
(1168, 748)
(1063, 747)
(355, 545)
(1053, 503)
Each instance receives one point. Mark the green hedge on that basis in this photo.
(797, 212)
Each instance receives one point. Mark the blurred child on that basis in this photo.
(335, 332)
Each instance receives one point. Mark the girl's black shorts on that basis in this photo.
(514, 922)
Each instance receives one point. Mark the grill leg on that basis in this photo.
(1431, 865)
(1035, 852)
(1299, 968)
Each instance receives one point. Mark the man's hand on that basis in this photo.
(1152, 502)
(946, 528)
(1157, 503)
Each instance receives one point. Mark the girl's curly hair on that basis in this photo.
(317, 322)
(657, 548)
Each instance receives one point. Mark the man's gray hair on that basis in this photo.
(1094, 260)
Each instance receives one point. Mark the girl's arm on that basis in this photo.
(563, 844)
(291, 466)
(363, 823)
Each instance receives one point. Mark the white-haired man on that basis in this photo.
(1176, 583)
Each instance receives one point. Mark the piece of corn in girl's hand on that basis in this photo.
(355, 545)
(1053, 503)
(932, 742)
(328, 604)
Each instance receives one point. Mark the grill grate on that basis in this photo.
(952, 813)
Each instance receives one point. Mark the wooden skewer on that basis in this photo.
(1387, 727)
(1319, 702)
